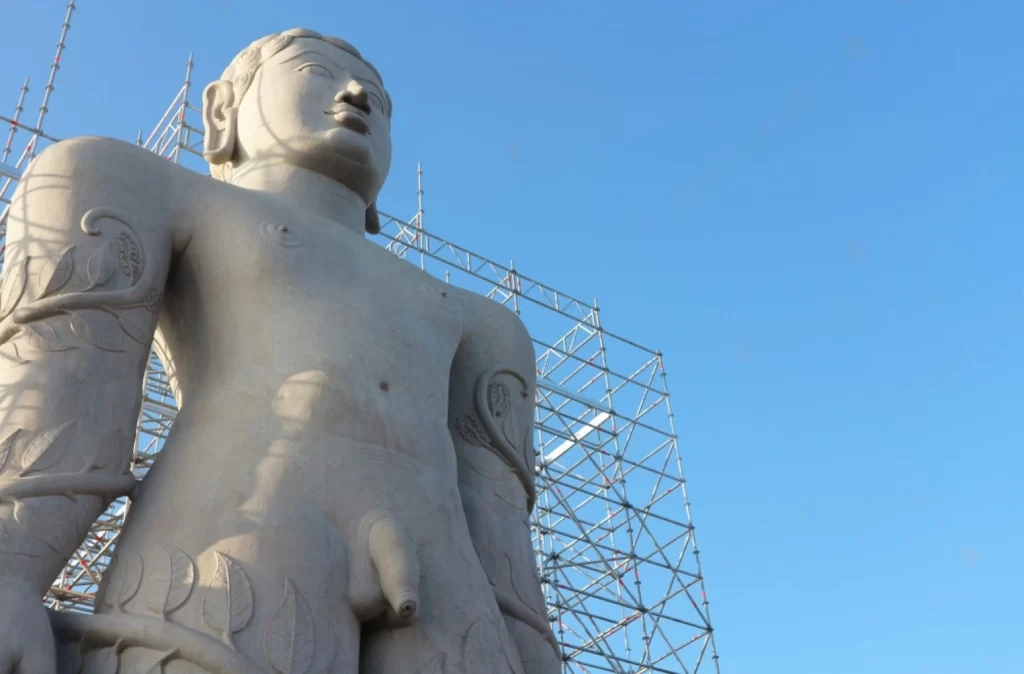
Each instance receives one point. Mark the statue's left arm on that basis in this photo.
(491, 411)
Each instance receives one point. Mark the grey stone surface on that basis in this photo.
(348, 483)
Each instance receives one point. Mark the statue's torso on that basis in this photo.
(266, 294)
(313, 367)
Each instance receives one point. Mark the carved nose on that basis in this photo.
(354, 94)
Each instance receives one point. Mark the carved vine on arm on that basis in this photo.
(44, 462)
(123, 254)
(45, 451)
(498, 426)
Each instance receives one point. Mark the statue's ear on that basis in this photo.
(220, 117)
(372, 219)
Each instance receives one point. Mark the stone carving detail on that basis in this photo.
(171, 582)
(288, 642)
(165, 640)
(48, 449)
(100, 267)
(127, 580)
(88, 308)
(158, 666)
(6, 445)
(44, 452)
(15, 280)
(497, 427)
(49, 528)
(227, 607)
(129, 256)
(482, 642)
(111, 659)
(435, 666)
(282, 235)
(57, 273)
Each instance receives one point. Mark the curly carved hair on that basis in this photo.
(243, 68)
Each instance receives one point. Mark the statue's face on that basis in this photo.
(317, 106)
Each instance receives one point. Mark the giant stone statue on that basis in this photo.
(348, 483)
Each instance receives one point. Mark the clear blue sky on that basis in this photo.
(813, 208)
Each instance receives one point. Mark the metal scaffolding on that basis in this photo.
(612, 528)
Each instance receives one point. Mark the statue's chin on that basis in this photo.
(354, 173)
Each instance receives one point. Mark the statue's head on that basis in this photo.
(304, 99)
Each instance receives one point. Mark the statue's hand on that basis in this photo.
(26, 640)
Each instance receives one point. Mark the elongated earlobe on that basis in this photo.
(220, 117)
(372, 219)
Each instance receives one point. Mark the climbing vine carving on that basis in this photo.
(96, 313)
(497, 426)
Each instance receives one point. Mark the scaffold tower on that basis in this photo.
(612, 529)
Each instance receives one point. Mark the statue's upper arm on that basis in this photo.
(88, 250)
(88, 231)
(493, 383)
(74, 176)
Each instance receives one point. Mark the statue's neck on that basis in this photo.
(306, 189)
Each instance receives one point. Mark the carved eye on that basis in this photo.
(376, 102)
(316, 69)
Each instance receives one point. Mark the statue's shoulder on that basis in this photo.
(492, 321)
(94, 171)
(108, 164)
(105, 156)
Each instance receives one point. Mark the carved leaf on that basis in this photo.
(158, 666)
(6, 445)
(288, 640)
(13, 356)
(44, 452)
(88, 325)
(133, 329)
(513, 431)
(43, 337)
(227, 606)
(481, 646)
(110, 661)
(171, 582)
(525, 584)
(498, 398)
(5, 538)
(435, 666)
(472, 431)
(129, 577)
(13, 286)
(52, 528)
(57, 273)
(100, 266)
(111, 453)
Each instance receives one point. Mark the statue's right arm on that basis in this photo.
(89, 245)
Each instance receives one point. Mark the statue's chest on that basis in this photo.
(284, 264)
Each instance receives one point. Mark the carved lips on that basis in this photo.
(351, 117)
